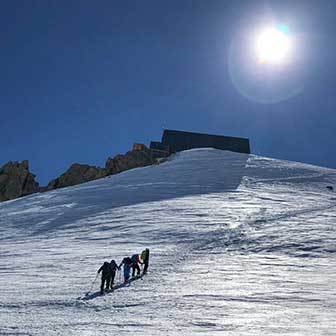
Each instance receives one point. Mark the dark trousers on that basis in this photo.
(112, 279)
(135, 267)
(145, 267)
(105, 281)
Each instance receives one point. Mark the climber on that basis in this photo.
(145, 259)
(135, 264)
(127, 262)
(113, 267)
(106, 276)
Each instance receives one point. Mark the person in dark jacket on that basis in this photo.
(135, 264)
(127, 262)
(113, 267)
(106, 276)
(145, 259)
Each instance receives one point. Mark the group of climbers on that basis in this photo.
(108, 270)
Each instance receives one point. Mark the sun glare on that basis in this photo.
(272, 45)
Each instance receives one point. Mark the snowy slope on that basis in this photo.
(240, 245)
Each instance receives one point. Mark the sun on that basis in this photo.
(273, 45)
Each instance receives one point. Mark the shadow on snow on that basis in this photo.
(90, 296)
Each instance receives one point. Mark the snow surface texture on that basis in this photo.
(240, 245)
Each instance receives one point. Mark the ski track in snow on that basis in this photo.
(240, 245)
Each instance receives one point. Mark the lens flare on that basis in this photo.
(265, 65)
(272, 45)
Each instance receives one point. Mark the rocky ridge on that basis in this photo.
(76, 174)
(17, 181)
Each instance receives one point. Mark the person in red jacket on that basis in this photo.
(135, 264)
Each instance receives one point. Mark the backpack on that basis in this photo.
(135, 258)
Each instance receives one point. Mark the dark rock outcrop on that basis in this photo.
(16, 180)
(132, 159)
(76, 174)
(80, 173)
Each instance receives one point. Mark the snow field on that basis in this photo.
(240, 245)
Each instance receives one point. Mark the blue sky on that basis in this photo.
(83, 80)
